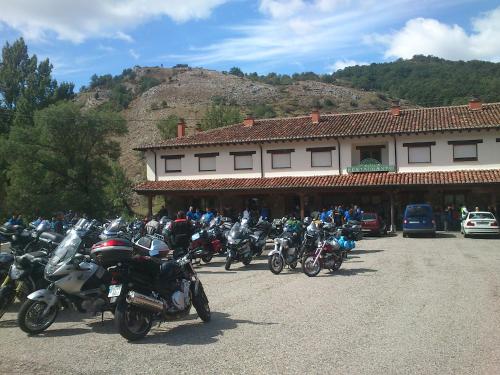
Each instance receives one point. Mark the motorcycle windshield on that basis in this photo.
(312, 229)
(115, 226)
(66, 250)
(43, 226)
(236, 232)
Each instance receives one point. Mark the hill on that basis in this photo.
(426, 80)
(146, 95)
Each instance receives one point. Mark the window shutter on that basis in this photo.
(207, 163)
(243, 162)
(173, 164)
(321, 158)
(281, 160)
(419, 154)
(465, 151)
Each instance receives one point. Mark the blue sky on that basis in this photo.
(285, 36)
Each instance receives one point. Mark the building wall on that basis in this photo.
(441, 157)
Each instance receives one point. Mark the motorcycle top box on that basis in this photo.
(109, 252)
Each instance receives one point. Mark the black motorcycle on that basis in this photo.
(238, 246)
(25, 275)
(148, 290)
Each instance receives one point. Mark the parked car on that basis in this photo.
(419, 218)
(481, 223)
(372, 223)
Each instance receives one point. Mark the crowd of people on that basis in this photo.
(450, 218)
(57, 222)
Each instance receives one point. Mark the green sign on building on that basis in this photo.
(371, 165)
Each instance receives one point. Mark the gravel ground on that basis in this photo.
(397, 306)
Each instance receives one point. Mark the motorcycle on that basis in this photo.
(28, 240)
(238, 246)
(204, 245)
(116, 228)
(148, 290)
(288, 248)
(258, 235)
(328, 255)
(277, 227)
(25, 275)
(75, 282)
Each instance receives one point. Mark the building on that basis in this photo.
(379, 160)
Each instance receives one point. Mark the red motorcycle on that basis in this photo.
(204, 245)
(328, 255)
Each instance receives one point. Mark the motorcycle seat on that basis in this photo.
(51, 237)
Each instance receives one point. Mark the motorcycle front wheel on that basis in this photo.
(206, 258)
(31, 317)
(309, 268)
(228, 262)
(200, 303)
(132, 323)
(275, 263)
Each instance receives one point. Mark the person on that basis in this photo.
(208, 216)
(153, 225)
(337, 217)
(246, 213)
(477, 209)
(37, 222)
(265, 213)
(163, 211)
(57, 224)
(358, 214)
(191, 214)
(180, 234)
(324, 217)
(197, 215)
(463, 212)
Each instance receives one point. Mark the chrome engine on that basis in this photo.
(180, 299)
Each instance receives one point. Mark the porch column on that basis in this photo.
(393, 224)
(302, 205)
(150, 205)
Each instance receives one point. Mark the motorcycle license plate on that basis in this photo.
(114, 290)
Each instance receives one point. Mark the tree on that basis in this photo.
(64, 161)
(235, 71)
(219, 115)
(168, 127)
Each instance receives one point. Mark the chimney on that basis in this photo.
(248, 121)
(181, 128)
(395, 108)
(315, 117)
(475, 104)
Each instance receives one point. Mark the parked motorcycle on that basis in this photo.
(258, 236)
(75, 282)
(148, 290)
(288, 247)
(204, 245)
(328, 255)
(25, 275)
(116, 228)
(28, 240)
(238, 246)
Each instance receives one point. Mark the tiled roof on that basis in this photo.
(345, 125)
(379, 179)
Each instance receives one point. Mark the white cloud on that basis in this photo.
(431, 37)
(134, 54)
(341, 64)
(78, 20)
(306, 30)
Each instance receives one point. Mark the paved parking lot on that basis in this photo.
(398, 306)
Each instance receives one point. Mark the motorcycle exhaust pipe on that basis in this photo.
(148, 303)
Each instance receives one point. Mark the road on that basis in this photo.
(398, 306)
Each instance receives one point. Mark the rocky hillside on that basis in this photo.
(155, 93)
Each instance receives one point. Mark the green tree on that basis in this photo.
(168, 126)
(219, 115)
(235, 71)
(119, 191)
(64, 161)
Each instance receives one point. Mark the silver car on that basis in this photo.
(480, 223)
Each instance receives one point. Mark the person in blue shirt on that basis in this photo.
(348, 215)
(191, 214)
(207, 216)
(324, 217)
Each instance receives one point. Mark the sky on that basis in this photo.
(83, 37)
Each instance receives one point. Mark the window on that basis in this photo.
(172, 163)
(419, 152)
(370, 152)
(243, 160)
(281, 158)
(465, 150)
(206, 162)
(321, 156)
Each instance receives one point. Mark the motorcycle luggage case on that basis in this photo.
(109, 252)
(9, 229)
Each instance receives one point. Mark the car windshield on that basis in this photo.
(368, 217)
(66, 249)
(418, 211)
(481, 215)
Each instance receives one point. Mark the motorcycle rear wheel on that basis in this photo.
(337, 264)
(293, 265)
(31, 319)
(309, 268)
(246, 261)
(207, 258)
(132, 323)
(275, 263)
(200, 303)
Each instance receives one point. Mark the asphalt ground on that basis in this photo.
(397, 306)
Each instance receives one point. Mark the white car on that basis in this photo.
(480, 223)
